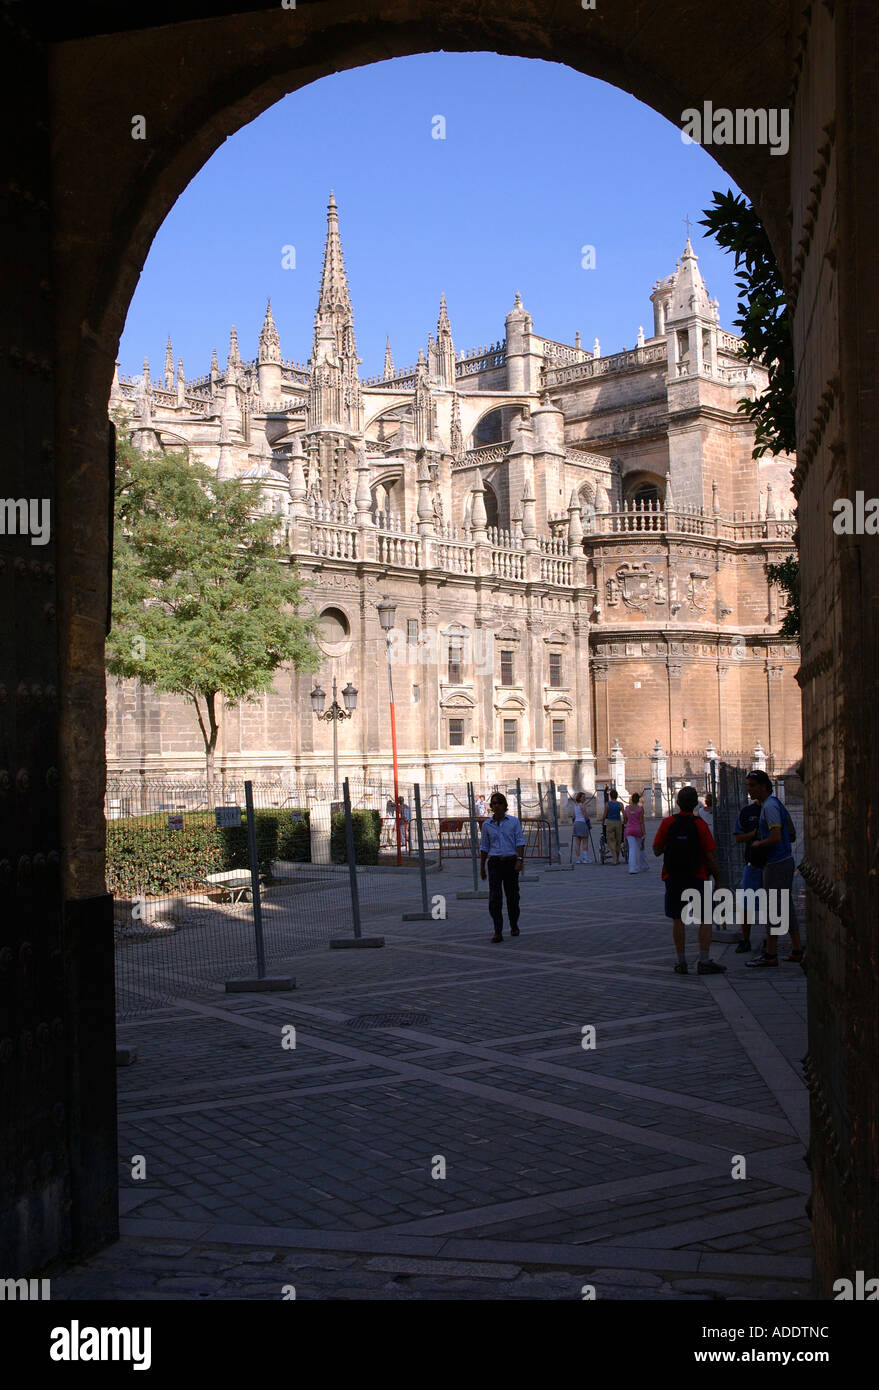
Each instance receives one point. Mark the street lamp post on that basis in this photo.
(333, 715)
(386, 611)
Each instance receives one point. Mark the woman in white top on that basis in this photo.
(580, 846)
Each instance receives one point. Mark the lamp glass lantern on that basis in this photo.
(318, 699)
(386, 612)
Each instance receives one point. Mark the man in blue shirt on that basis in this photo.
(502, 847)
(772, 848)
(612, 819)
(744, 831)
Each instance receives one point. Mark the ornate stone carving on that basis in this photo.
(636, 582)
(698, 590)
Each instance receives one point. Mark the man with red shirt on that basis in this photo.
(689, 859)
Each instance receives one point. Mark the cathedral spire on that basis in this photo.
(689, 297)
(334, 304)
(445, 348)
(233, 362)
(423, 410)
(442, 324)
(169, 365)
(269, 341)
(389, 361)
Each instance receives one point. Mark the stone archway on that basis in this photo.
(811, 57)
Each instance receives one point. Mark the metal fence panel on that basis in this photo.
(180, 877)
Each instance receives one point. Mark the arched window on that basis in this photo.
(386, 497)
(491, 505)
(494, 427)
(646, 495)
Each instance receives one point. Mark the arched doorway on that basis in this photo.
(236, 66)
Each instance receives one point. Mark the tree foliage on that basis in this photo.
(202, 604)
(764, 324)
(786, 575)
(763, 319)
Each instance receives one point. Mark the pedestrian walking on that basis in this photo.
(633, 821)
(744, 833)
(502, 854)
(612, 819)
(479, 807)
(580, 833)
(390, 822)
(772, 849)
(689, 859)
(405, 816)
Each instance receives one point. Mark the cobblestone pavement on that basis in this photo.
(440, 1130)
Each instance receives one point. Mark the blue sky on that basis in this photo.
(538, 162)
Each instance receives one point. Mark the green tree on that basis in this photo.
(763, 320)
(202, 604)
(786, 575)
(764, 324)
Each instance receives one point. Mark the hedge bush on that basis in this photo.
(146, 858)
(294, 838)
(367, 834)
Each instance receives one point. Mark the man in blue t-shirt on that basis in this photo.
(772, 847)
(744, 832)
(612, 819)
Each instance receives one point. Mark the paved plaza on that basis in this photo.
(440, 1130)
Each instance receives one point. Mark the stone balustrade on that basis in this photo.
(634, 517)
(560, 354)
(602, 366)
(397, 549)
(455, 557)
(481, 360)
(332, 542)
(508, 564)
(484, 454)
(554, 570)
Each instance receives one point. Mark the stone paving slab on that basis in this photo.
(482, 1150)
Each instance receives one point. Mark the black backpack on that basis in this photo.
(683, 848)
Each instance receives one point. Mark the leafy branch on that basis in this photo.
(763, 320)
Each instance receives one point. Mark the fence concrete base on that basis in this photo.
(347, 943)
(271, 983)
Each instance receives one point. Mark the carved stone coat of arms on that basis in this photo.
(636, 583)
